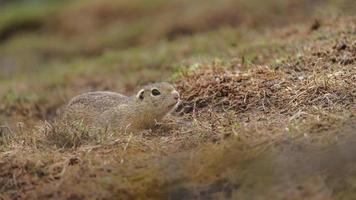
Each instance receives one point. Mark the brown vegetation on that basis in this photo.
(271, 116)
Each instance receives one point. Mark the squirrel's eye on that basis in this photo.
(156, 92)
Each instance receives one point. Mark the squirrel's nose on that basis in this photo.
(175, 95)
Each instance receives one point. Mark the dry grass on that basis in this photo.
(294, 85)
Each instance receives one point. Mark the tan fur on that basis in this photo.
(110, 109)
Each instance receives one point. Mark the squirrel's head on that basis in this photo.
(160, 98)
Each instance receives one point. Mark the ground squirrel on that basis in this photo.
(115, 110)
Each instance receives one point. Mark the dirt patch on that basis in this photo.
(20, 28)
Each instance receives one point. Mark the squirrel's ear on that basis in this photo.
(139, 94)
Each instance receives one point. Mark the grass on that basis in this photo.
(18, 14)
(268, 100)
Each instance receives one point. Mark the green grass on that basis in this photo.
(22, 13)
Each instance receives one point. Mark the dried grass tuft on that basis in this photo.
(286, 89)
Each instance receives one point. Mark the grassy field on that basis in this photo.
(268, 90)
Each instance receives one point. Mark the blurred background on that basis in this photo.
(38, 33)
